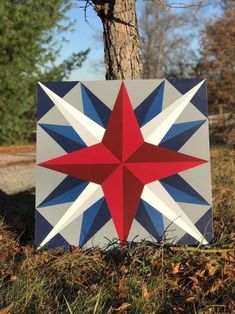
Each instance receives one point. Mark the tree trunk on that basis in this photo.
(121, 38)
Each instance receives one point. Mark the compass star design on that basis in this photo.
(120, 163)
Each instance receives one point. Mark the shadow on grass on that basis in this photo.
(18, 212)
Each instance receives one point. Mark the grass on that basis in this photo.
(137, 279)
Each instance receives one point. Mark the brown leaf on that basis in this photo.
(212, 268)
(176, 268)
(7, 309)
(75, 249)
(29, 250)
(145, 293)
(194, 279)
(218, 284)
(190, 299)
(124, 269)
(123, 307)
(13, 278)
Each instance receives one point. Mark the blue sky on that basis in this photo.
(85, 36)
(89, 35)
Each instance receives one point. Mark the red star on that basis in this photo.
(122, 164)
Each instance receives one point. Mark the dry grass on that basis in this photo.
(137, 279)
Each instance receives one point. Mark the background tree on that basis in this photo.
(121, 35)
(165, 42)
(217, 62)
(28, 53)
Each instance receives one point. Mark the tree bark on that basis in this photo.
(121, 38)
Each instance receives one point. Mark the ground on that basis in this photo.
(138, 279)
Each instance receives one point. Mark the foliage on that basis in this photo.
(28, 51)
(137, 279)
(217, 62)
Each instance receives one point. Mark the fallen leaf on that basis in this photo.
(176, 268)
(190, 299)
(145, 293)
(121, 308)
(217, 285)
(13, 278)
(212, 268)
(194, 279)
(124, 269)
(7, 309)
(75, 249)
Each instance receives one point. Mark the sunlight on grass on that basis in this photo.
(139, 279)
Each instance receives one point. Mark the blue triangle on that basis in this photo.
(42, 228)
(151, 106)
(204, 225)
(94, 108)
(93, 220)
(67, 191)
(44, 102)
(65, 136)
(150, 219)
(200, 98)
(180, 133)
(181, 191)
(179, 128)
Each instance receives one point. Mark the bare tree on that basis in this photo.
(165, 42)
(121, 35)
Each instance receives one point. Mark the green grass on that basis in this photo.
(138, 279)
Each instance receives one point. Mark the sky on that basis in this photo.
(85, 35)
(88, 34)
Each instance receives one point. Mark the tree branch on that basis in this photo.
(179, 5)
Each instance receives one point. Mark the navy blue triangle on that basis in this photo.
(200, 99)
(43, 227)
(65, 136)
(67, 191)
(181, 191)
(44, 102)
(94, 108)
(151, 106)
(150, 219)
(180, 133)
(204, 225)
(93, 220)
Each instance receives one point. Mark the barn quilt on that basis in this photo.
(122, 161)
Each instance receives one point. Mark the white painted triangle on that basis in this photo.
(156, 129)
(190, 113)
(91, 194)
(156, 195)
(91, 132)
(54, 213)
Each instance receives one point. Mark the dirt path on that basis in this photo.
(17, 169)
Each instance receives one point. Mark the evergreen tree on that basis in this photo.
(28, 52)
